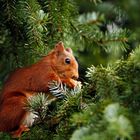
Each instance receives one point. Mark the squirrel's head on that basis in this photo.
(64, 62)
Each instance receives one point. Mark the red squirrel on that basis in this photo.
(59, 65)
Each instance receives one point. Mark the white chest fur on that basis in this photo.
(30, 119)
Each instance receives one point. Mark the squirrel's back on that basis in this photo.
(58, 65)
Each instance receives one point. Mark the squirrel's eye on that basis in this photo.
(67, 61)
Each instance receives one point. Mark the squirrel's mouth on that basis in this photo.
(74, 78)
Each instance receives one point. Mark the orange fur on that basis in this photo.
(27, 81)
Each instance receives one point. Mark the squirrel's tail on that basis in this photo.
(12, 111)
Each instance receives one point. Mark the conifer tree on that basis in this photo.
(107, 105)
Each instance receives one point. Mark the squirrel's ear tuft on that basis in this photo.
(59, 47)
(69, 50)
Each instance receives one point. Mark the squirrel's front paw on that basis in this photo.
(75, 84)
(71, 83)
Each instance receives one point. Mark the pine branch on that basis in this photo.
(60, 14)
(119, 83)
(35, 21)
(38, 105)
(105, 81)
(8, 8)
(72, 101)
(135, 56)
(106, 40)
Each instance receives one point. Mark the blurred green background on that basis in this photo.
(120, 13)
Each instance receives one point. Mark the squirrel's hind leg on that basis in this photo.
(17, 133)
(13, 114)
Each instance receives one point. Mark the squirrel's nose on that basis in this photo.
(75, 77)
